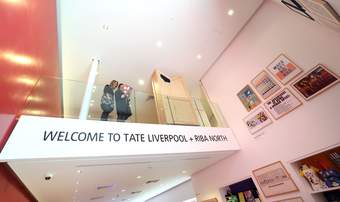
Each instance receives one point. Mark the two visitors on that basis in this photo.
(119, 97)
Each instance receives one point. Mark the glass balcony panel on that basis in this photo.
(65, 99)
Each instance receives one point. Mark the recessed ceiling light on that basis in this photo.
(184, 171)
(141, 82)
(230, 12)
(199, 56)
(78, 171)
(105, 27)
(91, 104)
(76, 191)
(138, 177)
(92, 101)
(113, 199)
(159, 44)
(123, 190)
(77, 182)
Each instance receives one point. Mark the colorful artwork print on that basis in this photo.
(265, 85)
(248, 98)
(257, 120)
(315, 81)
(274, 179)
(283, 69)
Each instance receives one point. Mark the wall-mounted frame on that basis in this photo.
(315, 81)
(297, 8)
(274, 180)
(257, 120)
(283, 69)
(248, 98)
(264, 84)
(211, 200)
(295, 199)
(323, 9)
(282, 103)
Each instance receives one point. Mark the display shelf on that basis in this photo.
(324, 159)
(326, 190)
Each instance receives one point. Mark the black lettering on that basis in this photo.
(50, 135)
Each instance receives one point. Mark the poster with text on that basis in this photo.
(274, 180)
(257, 120)
(315, 81)
(248, 98)
(282, 103)
(283, 69)
(265, 85)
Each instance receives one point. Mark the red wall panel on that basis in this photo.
(11, 189)
(28, 70)
(28, 54)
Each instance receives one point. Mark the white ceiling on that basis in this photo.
(128, 49)
(120, 173)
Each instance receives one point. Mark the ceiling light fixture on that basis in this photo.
(184, 171)
(77, 182)
(159, 44)
(123, 190)
(78, 171)
(230, 12)
(139, 177)
(141, 82)
(105, 27)
(199, 56)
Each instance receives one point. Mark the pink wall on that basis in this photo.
(313, 126)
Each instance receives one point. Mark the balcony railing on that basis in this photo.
(57, 97)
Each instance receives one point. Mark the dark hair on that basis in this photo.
(120, 85)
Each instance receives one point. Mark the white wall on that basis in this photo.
(313, 126)
(179, 193)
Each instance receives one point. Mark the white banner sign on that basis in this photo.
(43, 137)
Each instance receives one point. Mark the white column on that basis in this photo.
(85, 106)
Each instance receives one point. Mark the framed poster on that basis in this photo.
(282, 103)
(283, 69)
(265, 85)
(315, 82)
(274, 180)
(296, 199)
(248, 98)
(257, 120)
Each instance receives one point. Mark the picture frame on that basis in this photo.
(211, 200)
(257, 120)
(283, 69)
(282, 103)
(265, 85)
(248, 98)
(315, 81)
(295, 199)
(274, 180)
